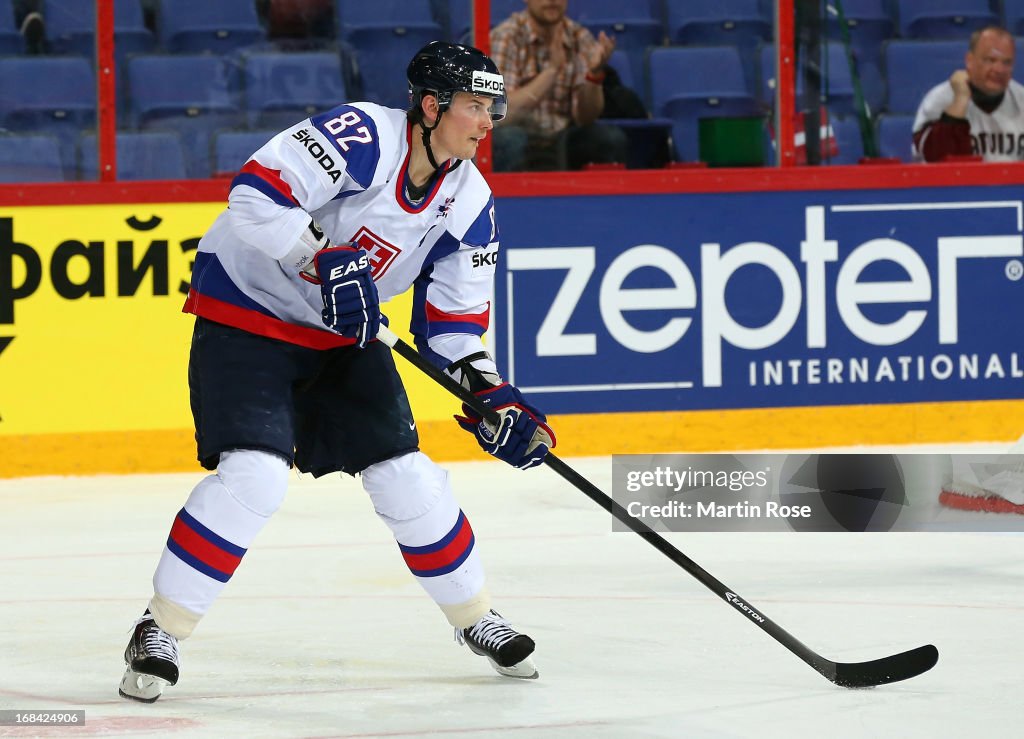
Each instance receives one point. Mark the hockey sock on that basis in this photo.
(211, 533)
(413, 497)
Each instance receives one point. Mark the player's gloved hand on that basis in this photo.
(522, 437)
(351, 303)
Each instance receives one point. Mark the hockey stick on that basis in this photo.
(889, 669)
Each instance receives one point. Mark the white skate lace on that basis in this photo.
(491, 631)
(157, 642)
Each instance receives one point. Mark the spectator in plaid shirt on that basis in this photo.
(553, 69)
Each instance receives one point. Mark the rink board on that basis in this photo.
(649, 322)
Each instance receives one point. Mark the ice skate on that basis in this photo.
(152, 661)
(506, 649)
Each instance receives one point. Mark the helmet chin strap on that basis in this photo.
(426, 139)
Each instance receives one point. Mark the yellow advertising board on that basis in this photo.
(94, 346)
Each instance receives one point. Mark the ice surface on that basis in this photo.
(323, 632)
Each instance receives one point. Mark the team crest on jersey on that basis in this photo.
(382, 254)
(444, 208)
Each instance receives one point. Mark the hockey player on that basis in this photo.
(333, 215)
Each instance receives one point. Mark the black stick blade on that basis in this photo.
(890, 669)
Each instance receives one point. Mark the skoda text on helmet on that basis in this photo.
(442, 69)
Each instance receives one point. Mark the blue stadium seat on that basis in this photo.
(869, 24)
(232, 149)
(837, 88)
(912, 68)
(735, 22)
(71, 28)
(740, 23)
(943, 19)
(11, 41)
(191, 94)
(69, 94)
(383, 57)
(30, 158)
(456, 18)
(63, 106)
(386, 14)
(282, 89)
(1013, 16)
(636, 25)
(896, 136)
(386, 34)
(183, 84)
(153, 155)
(219, 26)
(685, 97)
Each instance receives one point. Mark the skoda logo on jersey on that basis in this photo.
(316, 150)
(488, 83)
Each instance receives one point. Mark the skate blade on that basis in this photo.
(139, 687)
(525, 670)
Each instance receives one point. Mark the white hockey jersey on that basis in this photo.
(347, 168)
(997, 136)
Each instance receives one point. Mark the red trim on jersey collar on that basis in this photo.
(403, 175)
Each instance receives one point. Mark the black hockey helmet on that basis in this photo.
(443, 69)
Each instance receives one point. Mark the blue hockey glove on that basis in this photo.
(522, 437)
(351, 303)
